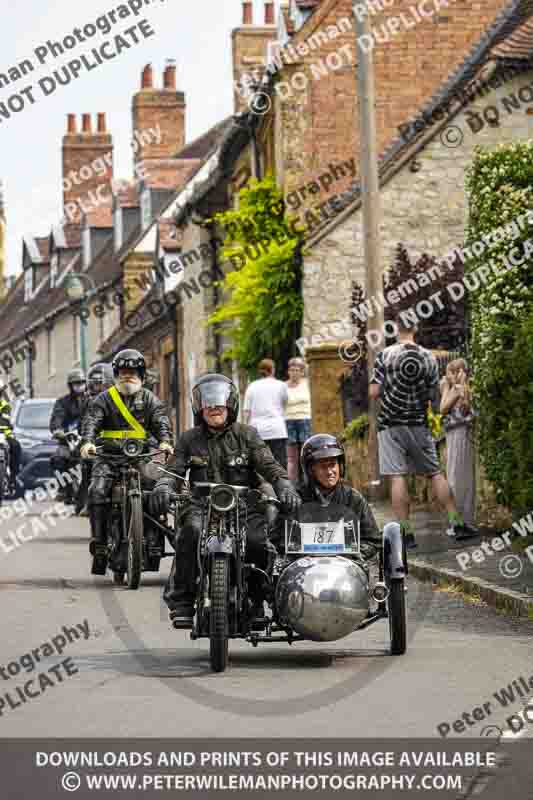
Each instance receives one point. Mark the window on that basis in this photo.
(54, 268)
(86, 247)
(75, 339)
(103, 328)
(118, 228)
(29, 286)
(50, 352)
(35, 415)
(146, 208)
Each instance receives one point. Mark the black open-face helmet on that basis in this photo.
(75, 376)
(99, 378)
(129, 359)
(317, 447)
(214, 390)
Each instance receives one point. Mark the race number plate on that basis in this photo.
(323, 537)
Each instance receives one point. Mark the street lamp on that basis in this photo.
(76, 289)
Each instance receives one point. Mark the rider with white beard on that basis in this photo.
(125, 411)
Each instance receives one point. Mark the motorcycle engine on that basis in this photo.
(323, 598)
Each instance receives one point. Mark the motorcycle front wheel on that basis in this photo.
(135, 541)
(218, 614)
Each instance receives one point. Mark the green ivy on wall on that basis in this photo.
(264, 305)
(500, 188)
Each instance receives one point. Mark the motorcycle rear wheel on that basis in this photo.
(135, 542)
(218, 614)
(397, 617)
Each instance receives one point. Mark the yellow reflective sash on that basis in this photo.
(136, 430)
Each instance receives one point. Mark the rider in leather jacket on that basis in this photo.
(323, 466)
(99, 378)
(127, 410)
(66, 416)
(218, 449)
(14, 446)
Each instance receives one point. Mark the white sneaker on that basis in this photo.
(450, 531)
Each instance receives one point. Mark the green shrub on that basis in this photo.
(500, 188)
(356, 429)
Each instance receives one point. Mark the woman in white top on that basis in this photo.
(297, 414)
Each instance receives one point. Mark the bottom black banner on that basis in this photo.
(210, 768)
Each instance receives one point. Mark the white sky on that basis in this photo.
(196, 33)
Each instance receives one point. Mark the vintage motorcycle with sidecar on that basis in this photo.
(317, 584)
(136, 541)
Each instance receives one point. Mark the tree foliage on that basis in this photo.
(264, 308)
(500, 188)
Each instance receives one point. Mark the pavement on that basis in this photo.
(487, 567)
(134, 676)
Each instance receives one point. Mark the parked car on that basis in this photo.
(31, 421)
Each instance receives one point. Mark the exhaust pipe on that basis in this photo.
(380, 592)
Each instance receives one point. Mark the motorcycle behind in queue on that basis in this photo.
(135, 541)
(318, 589)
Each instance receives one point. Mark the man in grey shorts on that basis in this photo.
(406, 379)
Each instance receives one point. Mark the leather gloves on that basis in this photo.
(87, 450)
(288, 496)
(160, 500)
(59, 434)
(167, 447)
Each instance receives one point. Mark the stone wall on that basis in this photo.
(425, 210)
(325, 373)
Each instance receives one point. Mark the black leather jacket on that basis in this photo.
(232, 456)
(344, 495)
(147, 409)
(67, 411)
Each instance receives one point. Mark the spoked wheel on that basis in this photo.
(3, 478)
(135, 542)
(118, 578)
(218, 614)
(397, 617)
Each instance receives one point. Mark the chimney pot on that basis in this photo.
(101, 123)
(86, 123)
(269, 13)
(71, 123)
(169, 75)
(247, 13)
(147, 79)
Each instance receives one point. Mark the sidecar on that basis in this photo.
(324, 589)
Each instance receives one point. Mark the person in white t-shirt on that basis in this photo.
(265, 401)
(297, 415)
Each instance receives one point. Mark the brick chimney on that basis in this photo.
(81, 175)
(249, 44)
(152, 107)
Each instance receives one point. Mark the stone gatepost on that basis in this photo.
(326, 369)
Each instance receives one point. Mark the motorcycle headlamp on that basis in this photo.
(223, 498)
(132, 448)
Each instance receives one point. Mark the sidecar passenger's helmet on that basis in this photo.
(317, 447)
(214, 390)
(129, 359)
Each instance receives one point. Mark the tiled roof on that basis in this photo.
(43, 243)
(519, 45)
(169, 173)
(202, 146)
(67, 236)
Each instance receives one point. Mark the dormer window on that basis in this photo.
(29, 283)
(86, 246)
(54, 269)
(146, 207)
(118, 228)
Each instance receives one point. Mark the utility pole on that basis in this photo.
(368, 168)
